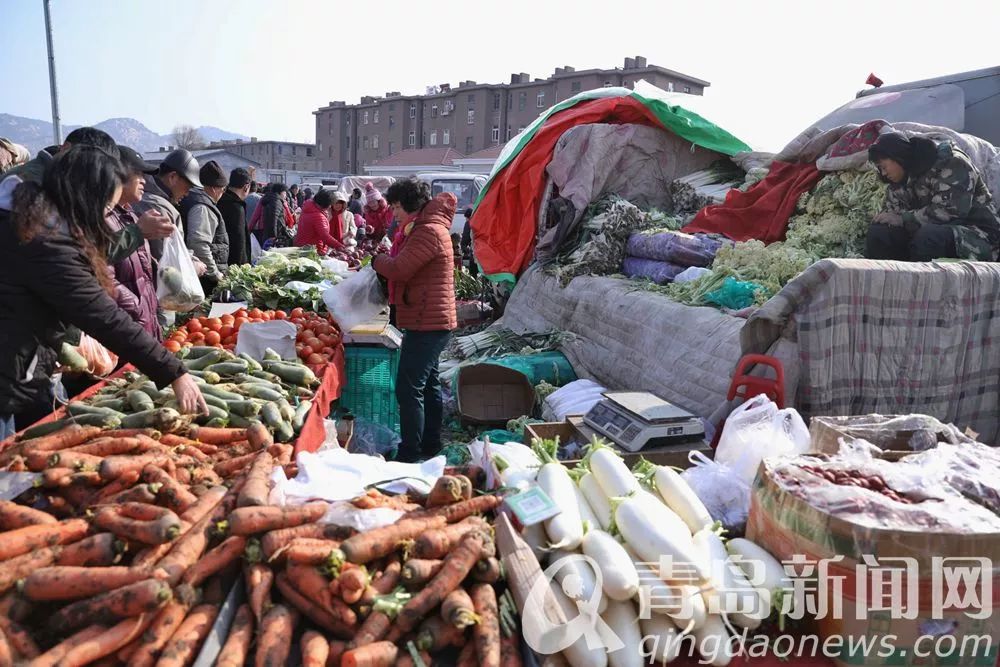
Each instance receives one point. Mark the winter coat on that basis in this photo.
(205, 234)
(951, 192)
(48, 286)
(354, 206)
(314, 227)
(422, 274)
(271, 217)
(157, 197)
(135, 291)
(234, 213)
(379, 219)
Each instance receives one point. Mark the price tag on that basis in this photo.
(532, 506)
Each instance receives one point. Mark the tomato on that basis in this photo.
(305, 350)
(226, 331)
(280, 315)
(213, 338)
(298, 312)
(242, 312)
(194, 326)
(328, 351)
(240, 321)
(315, 359)
(172, 345)
(327, 339)
(227, 320)
(214, 324)
(229, 341)
(197, 338)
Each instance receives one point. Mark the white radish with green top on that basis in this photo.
(661, 642)
(577, 577)
(729, 593)
(590, 521)
(761, 569)
(597, 499)
(619, 578)
(681, 498)
(623, 620)
(713, 642)
(611, 472)
(565, 530)
(578, 654)
(654, 531)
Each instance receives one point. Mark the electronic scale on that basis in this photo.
(635, 420)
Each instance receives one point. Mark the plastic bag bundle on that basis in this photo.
(724, 493)
(88, 357)
(655, 270)
(734, 294)
(756, 430)
(576, 398)
(177, 284)
(357, 300)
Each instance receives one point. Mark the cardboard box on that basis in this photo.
(492, 395)
(787, 525)
(887, 432)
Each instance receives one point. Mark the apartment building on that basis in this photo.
(468, 117)
(285, 155)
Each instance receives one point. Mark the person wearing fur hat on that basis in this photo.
(377, 213)
(204, 227)
(936, 206)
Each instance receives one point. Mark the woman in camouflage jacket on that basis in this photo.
(936, 206)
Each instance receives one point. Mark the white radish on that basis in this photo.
(623, 620)
(587, 515)
(577, 654)
(577, 577)
(729, 592)
(565, 530)
(612, 473)
(618, 574)
(660, 640)
(654, 531)
(536, 538)
(761, 568)
(713, 642)
(681, 498)
(682, 603)
(597, 499)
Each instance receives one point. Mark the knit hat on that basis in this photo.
(211, 175)
(371, 194)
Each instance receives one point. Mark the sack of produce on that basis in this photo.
(652, 269)
(757, 430)
(724, 493)
(357, 300)
(88, 357)
(177, 284)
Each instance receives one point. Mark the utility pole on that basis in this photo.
(56, 129)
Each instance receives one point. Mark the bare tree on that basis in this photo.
(188, 137)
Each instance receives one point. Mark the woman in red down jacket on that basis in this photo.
(378, 214)
(314, 223)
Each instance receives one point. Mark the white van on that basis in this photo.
(466, 187)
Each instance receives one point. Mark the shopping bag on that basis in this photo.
(357, 300)
(177, 284)
(88, 356)
(255, 250)
(757, 430)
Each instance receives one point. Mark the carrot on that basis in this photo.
(138, 598)
(6, 651)
(379, 654)
(406, 660)
(55, 655)
(106, 446)
(250, 520)
(374, 629)
(205, 504)
(436, 634)
(314, 586)
(20, 639)
(183, 647)
(147, 531)
(63, 439)
(54, 478)
(282, 454)
(174, 440)
(259, 436)
(107, 642)
(216, 560)
(435, 544)
(457, 609)
(458, 511)
(14, 516)
(77, 496)
(132, 432)
(142, 493)
(173, 495)
(69, 458)
(352, 583)
(274, 541)
(13, 607)
(115, 466)
(386, 581)
(487, 631)
(22, 540)
(123, 483)
(70, 582)
(230, 467)
(234, 652)
(187, 550)
(510, 652)
(467, 657)
(146, 512)
(487, 571)
(313, 611)
(456, 567)
(155, 637)
(275, 638)
(418, 571)
(217, 436)
(147, 559)
(258, 481)
(259, 579)
(337, 649)
(308, 551)
(447, 490)
(383, 541)
(315, 649)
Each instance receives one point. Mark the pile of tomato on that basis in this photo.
(317, 339)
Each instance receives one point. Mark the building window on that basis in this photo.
(376, 117)
(446, 138)
(331, 151)
(508, 133)
(348, 119)
(468, 145)
(413, 111)
(294, 148)
(280, 147)
(364, 119)
(364, 143)
(392, 148)
(496, 101)
(309, 151)
(472, 116)
(495, 136)
(434, 138)
(434, 111)
(510, 101)
(687, 89)
(375, 142)
(540, 100)
(412, 139)
(522, 101)
(392, 106)
(472, 101)
(347, 142)
(293, 166)
(607, 84)
(331, 117)
(575, 87)
(392, 121)
(670, 86)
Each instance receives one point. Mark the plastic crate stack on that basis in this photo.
(370, 392)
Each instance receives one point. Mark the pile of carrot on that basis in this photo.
(124, 551)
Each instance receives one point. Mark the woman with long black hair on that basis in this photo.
(54, 281)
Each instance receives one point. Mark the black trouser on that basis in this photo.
(418, 391)
(929, 242)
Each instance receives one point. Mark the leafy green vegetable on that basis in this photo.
(265, 284)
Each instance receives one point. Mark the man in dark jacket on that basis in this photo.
(233, 207)
(178, 173)
(204, 229)
(272, 217)
(355, 205)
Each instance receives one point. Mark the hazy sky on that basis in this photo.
(261, 67)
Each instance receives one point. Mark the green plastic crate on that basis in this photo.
(370, 392)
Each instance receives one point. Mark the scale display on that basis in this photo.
(635, 420)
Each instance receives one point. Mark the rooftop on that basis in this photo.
(157, 156)
(491, 153)
(420, 157)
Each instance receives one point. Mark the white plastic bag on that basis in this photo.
(576, 398)
(257, 337)
(177, 284)
(357, 300)
(757, 430)
(255, 250)
(725, 494)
